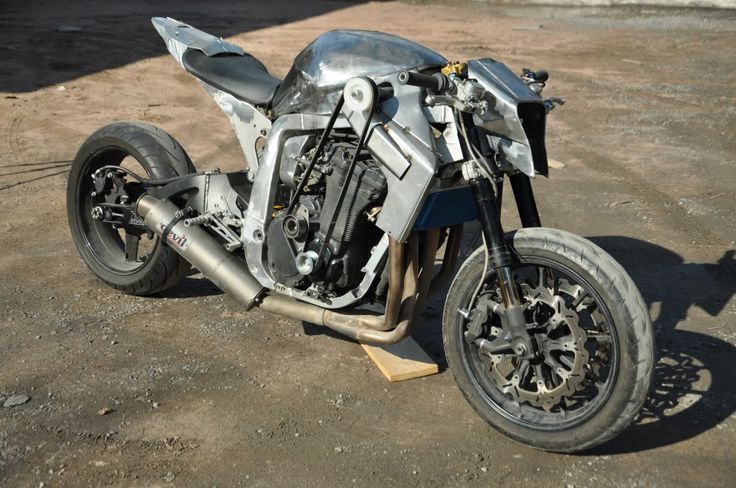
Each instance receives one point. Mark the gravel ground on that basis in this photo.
(186, 389)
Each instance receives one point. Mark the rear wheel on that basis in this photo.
(132, 261)
(590, 328)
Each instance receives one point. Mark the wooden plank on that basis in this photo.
(402, 361)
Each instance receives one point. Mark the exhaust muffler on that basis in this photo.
(225, 270)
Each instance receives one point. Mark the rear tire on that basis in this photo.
(99, 245)
(630, 329)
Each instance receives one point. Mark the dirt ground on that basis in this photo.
(203, 394)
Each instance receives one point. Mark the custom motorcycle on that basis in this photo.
(363, 163)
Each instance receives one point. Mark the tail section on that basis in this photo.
(179, 37)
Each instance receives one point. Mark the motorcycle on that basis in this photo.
(363, 163)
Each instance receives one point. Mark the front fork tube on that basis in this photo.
(501, 259)
(524, 196)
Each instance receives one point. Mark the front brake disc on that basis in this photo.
(559, 368)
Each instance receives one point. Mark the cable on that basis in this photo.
(488, 175)
(486, 172)
(483, 276)
(348, 178)
(317, 154)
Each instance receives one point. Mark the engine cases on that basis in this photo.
(352, 236)
(366, 186)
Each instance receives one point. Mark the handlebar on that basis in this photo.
(436, 83)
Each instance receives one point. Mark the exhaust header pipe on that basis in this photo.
(409, 278)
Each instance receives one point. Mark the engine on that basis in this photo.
(322, 245)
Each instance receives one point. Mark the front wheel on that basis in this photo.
(592, 334)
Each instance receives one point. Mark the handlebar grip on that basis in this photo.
(436, 82)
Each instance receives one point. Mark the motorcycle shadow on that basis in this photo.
(692, 390)
(194, 285)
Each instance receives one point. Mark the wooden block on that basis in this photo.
(402, 361)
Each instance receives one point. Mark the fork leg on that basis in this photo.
(501, 259)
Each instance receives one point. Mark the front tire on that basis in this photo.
(567, 398)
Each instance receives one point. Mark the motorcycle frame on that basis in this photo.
(399, 137)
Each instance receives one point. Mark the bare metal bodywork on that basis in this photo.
(321, 70)
(400, 137)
